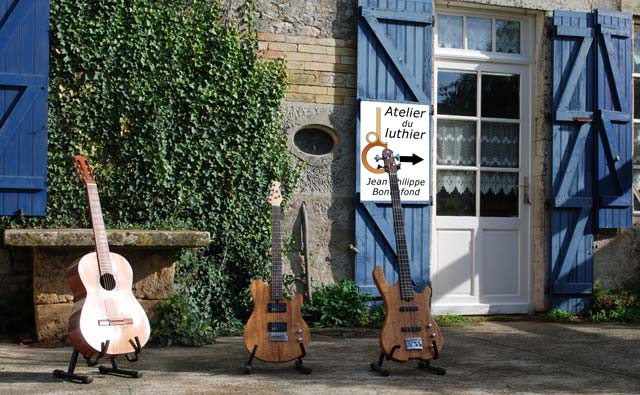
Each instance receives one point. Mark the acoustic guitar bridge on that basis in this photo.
(115, 322)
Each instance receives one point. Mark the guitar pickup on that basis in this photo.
(278, 337)
(115, 322)
(411, 329)
(276, 326)
(277, 308)
(408, 308)
(413, 343)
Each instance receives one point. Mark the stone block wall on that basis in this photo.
(321, 70)
(16, 292)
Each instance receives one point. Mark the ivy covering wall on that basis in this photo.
(181, 121)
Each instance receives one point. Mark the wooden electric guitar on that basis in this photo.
(409, 331)
(107, 320)
(275, 332)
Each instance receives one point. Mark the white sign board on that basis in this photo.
(404, 129)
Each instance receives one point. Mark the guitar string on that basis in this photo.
(405, 283)
(98, 224)
(394, 208)
(275, 220)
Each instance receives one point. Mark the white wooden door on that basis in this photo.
(482, 150)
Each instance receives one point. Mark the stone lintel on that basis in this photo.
(120, 238)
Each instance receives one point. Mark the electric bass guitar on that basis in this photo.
(275, 332)
(409, 331)
(107, 320)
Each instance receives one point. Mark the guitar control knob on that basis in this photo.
(433, 334)
(299, 331)
(429, 325)
(300, 340)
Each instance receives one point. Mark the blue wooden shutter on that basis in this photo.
(614, 167)
(572, 161)
(394, 64)
(24, 69)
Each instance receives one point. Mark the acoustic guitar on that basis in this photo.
(275, 332)
(107, 320)
(409, 332)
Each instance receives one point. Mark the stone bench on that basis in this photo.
(151, 253)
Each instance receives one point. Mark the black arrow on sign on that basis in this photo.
(413, 159)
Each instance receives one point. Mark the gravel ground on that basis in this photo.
(525, 357)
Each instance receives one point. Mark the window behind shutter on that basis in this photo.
(394, 64)
(24, 68)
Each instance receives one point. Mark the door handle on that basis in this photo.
(525, 189)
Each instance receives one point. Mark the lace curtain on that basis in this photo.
(479, 34)
(636, 145)
(456, 143)
(636, 52)
(507, 36)
(449, 31)
(450, 180)
(499, 144)
(496, 182)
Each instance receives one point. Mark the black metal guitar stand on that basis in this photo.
(299, 364)
(70, 374)
(422, 364)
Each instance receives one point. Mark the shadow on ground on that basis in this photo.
(487, 358)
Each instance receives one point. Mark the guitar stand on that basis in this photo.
(299, 364)
(422, 364)
(70, 374)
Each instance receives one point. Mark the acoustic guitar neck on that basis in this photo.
(85, 173)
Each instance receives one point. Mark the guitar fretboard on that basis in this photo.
(276, 254)
(99, 232)
(404, 270)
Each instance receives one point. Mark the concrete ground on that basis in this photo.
(484, 358)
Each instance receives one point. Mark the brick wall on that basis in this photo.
(321, 70)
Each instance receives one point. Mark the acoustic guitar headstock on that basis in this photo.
(85, 174)
(275, 196)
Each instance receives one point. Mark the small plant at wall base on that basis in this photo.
(181, 120)
(337, 305)
(561, 316)
(620, 306)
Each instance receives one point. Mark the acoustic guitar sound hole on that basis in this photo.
(107, 281)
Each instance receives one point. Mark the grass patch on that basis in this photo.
(558, 315)
(449, 320)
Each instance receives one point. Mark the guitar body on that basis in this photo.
(419, 316)
(256, 331)
(99, 314)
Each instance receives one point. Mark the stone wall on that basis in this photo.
(317, 40)
(16, 292)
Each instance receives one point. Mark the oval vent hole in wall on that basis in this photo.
(314, 140)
